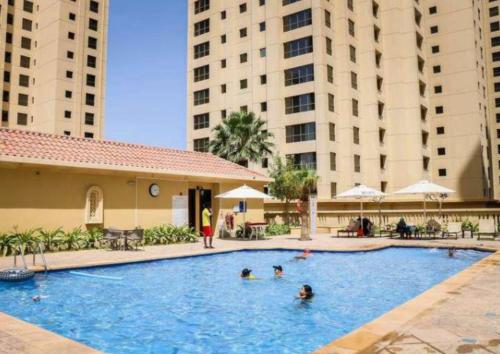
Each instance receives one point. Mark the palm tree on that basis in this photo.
(241, 138)
(307, 181)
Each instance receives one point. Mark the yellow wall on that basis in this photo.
(51, 198)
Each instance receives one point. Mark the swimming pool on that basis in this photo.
(200, 305)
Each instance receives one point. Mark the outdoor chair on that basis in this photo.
(112, 237)
(432, 228)
(351, 230)
(135, 237)
(487, 229)
(453, 230)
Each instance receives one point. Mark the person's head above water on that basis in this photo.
(306, 292)
(278, 270)
(245, 273)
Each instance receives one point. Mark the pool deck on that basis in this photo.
(459, 315)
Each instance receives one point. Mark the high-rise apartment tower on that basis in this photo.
(52, 57)
(377, 92)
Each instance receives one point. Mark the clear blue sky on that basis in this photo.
(146, 75)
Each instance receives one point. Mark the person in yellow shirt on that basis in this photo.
(206, 215)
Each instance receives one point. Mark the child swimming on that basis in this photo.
(451, 252)
(247, 274)
(306, 293)
(303, 255)
(278, 271)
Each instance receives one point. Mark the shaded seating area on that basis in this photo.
(453, 230)
(350, 230)
(123, 239)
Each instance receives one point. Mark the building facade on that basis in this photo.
(53, 56)
(383, 93)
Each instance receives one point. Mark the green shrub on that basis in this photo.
(468, 225)
(277, 229)
(167, 234)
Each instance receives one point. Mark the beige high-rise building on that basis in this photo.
(379, 92)
(53, 55)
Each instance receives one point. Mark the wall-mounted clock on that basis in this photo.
(154, 190)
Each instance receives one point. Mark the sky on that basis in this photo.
(146, 72)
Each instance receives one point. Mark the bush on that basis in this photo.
(277, 229)
(468, 225)
(167, 234)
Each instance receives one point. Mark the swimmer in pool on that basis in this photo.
(305, 293)
(303, 255)
(36, 298)
(278, 271)
(451, 252)
(247, 274)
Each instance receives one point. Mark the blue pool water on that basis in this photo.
(200, 305)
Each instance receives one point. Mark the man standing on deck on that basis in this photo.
(206, 226)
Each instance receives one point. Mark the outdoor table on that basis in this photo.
(257, 229)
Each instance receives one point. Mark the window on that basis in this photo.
(223, 113)
(329, 49)
(378, 58)
(376, 33)
(223, 39)
(355, 107)
(67, 133)
(72, 16)
(497, 102)
(352, 53)
(381, 136)
(299, 75)
(201, 97)
(8, 37)
(303, 160)
(92, 24)
(350, 27)
(262, 2)
(383, 186)
(223, 15)
(380, 108)
(91, 80)
(243, 7)
(418, 17)
(70, 54)
(331, 103)
(297, 20)
(380, 82)
(202, 27)
(496, 56)
(201, 50)
(25, 43)
(6, 76)
(28, 6)
(69, 74)
(68, 94)
(94, 210)
(439, 109)
(243, 58)
(432, 10)
(92, 43)
(355, 135)
(333, 161)
(442, 172)
(493, 11)
(262, 26)
(331, 131)
(288, 2)
(354, 80)
(300, 103)
(333, 189)
(89, 118)
(495, 41)
(298, 47)
(243, 84)
(71, 35)
(438, 89)
(423, 113)
(435, 49)
(201, 73)
(494, 26)
(436, 69)
(243, 32)
(265, 163)
(223, 63)
(263, 79)
(223, 88)
(497, 86)
(5, 96)
(498, 117)
(357, 163)
(24, 61)
(88, 135)
(420, 40)
(27, 24)
(91, 61)
(375, 9)
(383, 160)
(201, 145)
(22, 99)
(5, 116)
(441, 151)
(24, 80)
(201, 121)
(329, 73)
(67, 114)
(328, 19)
(439, 130)
(22, 119)
(94, 6)
(263, 106)
(89, 99)
(434, 29)
(350, 5)
(300, 132)
(262, 52)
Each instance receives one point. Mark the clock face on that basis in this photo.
(154, 190)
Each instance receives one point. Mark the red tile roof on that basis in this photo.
(50, 149)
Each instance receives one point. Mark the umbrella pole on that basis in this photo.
(361, 219)
(425, 208)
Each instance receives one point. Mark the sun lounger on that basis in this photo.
(350, 231)
(487, 229)
(432, 229)
(453, 230)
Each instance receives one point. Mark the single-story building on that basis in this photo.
(53, 181)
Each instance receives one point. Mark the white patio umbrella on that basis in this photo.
(243, 193)
(427, 189)
(361, 192)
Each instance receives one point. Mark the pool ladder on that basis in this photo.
(21, 253)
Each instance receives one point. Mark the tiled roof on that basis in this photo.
(49, 149)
